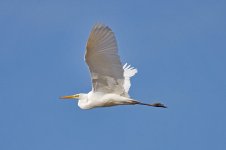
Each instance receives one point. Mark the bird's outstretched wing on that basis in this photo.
(104, 62)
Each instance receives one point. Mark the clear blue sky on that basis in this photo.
(179, 48)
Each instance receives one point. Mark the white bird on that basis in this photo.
(110, 80)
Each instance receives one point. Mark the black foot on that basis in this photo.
(158, 105)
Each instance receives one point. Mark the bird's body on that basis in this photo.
(110, 80)
(99, 99)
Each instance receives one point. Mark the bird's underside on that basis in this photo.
(108, 100)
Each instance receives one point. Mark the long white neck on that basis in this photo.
(83, 101)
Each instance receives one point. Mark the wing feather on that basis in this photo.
(128, 73)
(103, 61)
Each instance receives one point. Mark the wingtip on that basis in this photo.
(100, 25)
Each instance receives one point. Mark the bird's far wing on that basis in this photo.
(128, 73)
(103, 61)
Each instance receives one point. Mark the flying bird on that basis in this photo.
(110, 79)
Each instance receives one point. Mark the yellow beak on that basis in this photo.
(70, 96)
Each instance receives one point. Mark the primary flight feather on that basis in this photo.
(110, 80)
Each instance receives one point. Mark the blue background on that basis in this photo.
(178, 46)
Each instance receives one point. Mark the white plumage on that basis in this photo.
(110, 80)
(128, 73)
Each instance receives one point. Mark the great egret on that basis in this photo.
(110, 80)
